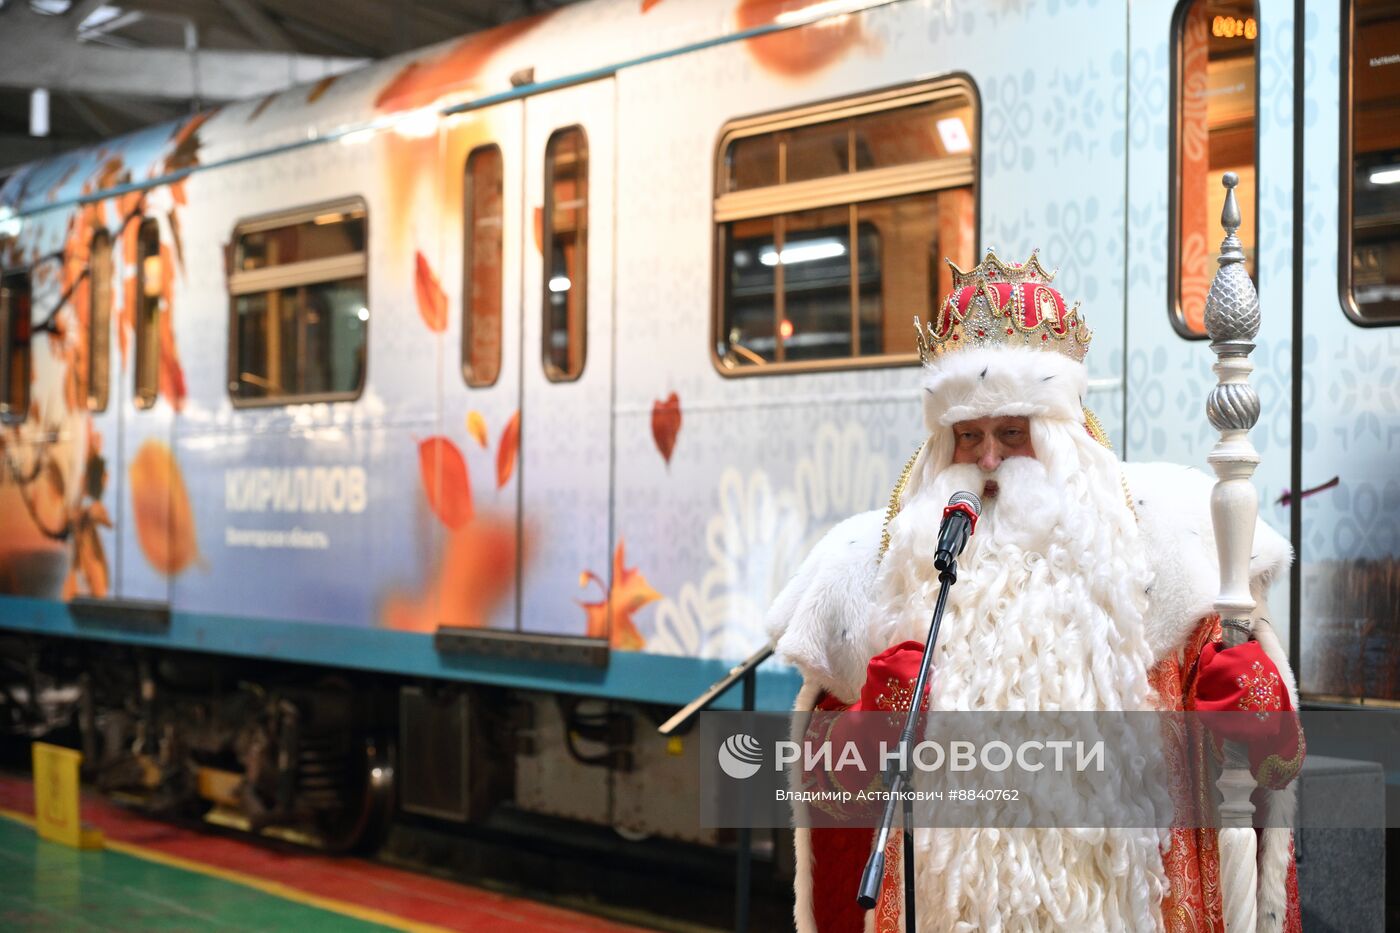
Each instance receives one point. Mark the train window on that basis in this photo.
(482, 266)
(16, 326)
(299, 304)
(565, 254)
(1370, 260)
(832, 223)
(149, 284)
(99, 320)
(1215, 131)
(753, 163)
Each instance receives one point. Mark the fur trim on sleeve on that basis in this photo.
(1173, 510)
(818, 620)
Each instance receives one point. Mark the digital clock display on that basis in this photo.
(1231, 27)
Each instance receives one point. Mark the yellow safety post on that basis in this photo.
(56, 815)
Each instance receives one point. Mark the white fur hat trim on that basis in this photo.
(990, 382)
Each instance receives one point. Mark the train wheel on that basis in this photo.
(361, 825)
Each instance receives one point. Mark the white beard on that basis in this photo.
(1047, 614)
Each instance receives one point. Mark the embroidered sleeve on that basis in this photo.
(1277, 770)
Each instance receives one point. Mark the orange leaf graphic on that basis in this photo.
(432, 301)
(126, 317)
(477, 571)
(476, 427)
(319, 88)
(799, 51)
(185, 142)
(648, 4)
(445, 481)
(423, 81)
(91, 560)
(172, 374)
(174, 220)
(161, 508)
(666, 424)
(262, 105)
(611, 618)
(112, 173)
(48, 497)
(507, 449)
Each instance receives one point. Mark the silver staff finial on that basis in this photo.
(1231, 250)
(1232, 306)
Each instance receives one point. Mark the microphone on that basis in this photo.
(959, 520)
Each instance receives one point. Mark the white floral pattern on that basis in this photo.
(760, 535)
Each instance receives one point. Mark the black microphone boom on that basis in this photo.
(959, 518)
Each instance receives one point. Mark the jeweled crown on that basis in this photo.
(1004, 304)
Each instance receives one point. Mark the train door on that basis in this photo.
(566, 360)
(1349, 548)
(1210, 92)
(483, 173)
(154, 535)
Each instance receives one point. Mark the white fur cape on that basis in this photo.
(816, 620)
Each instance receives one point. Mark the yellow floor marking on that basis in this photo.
(275, 888)
(18, 817)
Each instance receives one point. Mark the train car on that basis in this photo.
(518, 373)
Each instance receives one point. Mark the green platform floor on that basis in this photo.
(45, 886)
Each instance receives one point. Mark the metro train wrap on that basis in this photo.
(521, 372)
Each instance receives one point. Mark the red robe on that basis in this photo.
(1192, 863)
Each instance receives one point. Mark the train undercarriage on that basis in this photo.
(481, 783)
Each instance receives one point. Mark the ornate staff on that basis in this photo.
(1232, 322)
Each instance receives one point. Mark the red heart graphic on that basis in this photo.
(666, 424)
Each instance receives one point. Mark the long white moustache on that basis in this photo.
(959, 477)
(1020, 505)
(1027, 506)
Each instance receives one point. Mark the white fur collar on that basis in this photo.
(816, 621)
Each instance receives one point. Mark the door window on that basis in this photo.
(565, 238)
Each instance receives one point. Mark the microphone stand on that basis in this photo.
(874, 872)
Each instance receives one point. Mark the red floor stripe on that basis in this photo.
(414, 897)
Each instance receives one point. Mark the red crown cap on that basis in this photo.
(1004, 304)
